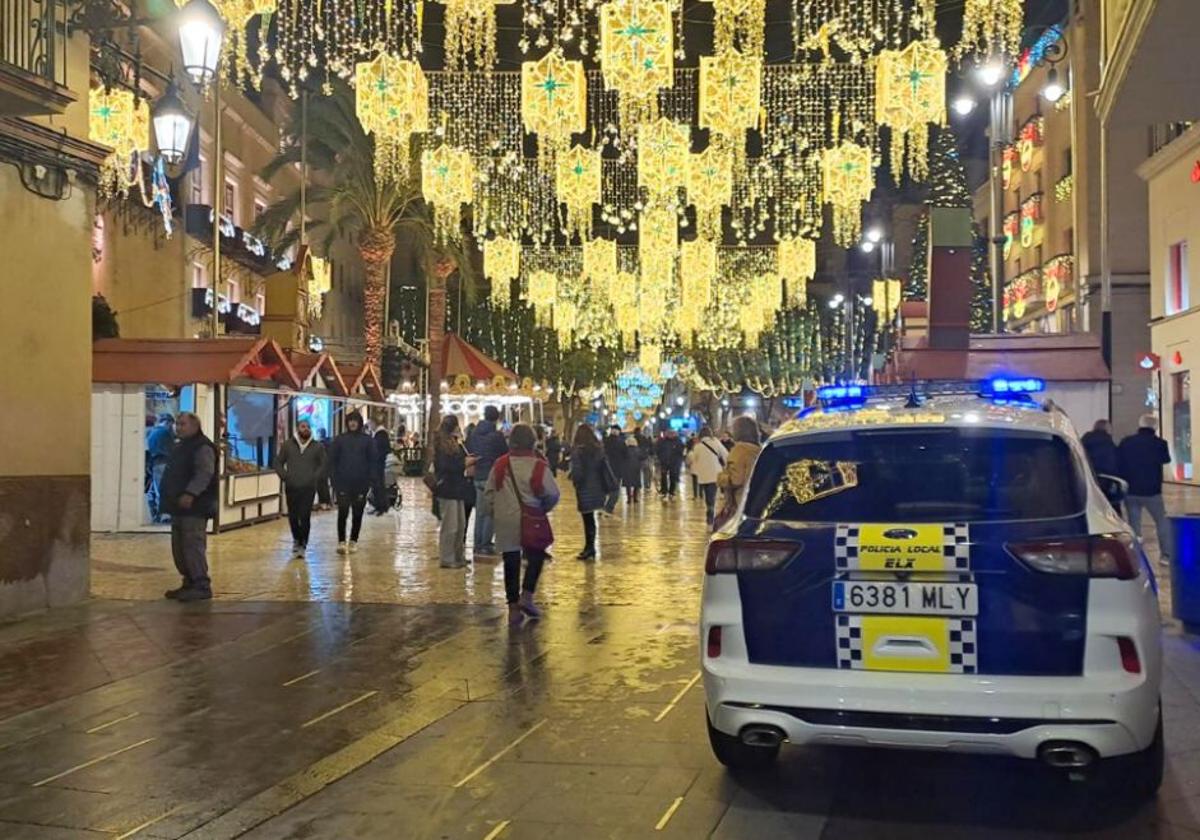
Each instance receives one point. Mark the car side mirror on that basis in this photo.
(1114, 488)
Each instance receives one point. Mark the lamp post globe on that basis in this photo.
(201, 32)
(172, 125)
(1054, 89)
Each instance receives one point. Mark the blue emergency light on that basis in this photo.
(839, 392)
(1026, 385)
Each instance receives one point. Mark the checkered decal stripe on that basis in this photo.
(957, 546)
(963, 657)
(849, 641)
(845, 547)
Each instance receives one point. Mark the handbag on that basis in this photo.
(608, 480)
(536, 534)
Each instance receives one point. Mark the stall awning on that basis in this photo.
(362, 380)
(463, 359)
(309, 366)
(191, 360)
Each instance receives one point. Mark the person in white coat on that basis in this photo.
(707, 459)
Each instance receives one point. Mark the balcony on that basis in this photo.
(33, 61)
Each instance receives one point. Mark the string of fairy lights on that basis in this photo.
(699, 158)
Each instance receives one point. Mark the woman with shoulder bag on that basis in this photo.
(593, 480)
(707, 459)
(520, 491)
(452, 489)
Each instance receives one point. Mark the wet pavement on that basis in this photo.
(377, 695)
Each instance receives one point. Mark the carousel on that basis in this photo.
(472, 381)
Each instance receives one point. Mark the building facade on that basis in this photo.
(1146, 101)
(48, 176)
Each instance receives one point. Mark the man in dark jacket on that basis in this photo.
(1142, 457)
(1101, 449)
(382, 443)
(617, 454)
(301, 465)
(351, 464)
(486, 443)
(189, 494)
(554, 452)
(670, 460)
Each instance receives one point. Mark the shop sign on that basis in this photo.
(1149, 361)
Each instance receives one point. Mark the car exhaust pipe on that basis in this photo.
(1066, 755)
(760, 735)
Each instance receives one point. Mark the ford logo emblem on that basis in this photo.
(900, 533)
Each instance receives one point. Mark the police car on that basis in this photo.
(934, 568)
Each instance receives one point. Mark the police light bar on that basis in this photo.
(1000, 386)
(840, 392)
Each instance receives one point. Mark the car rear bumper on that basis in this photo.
(1113, 714)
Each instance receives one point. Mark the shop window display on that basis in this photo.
(163, 405)
(251, 433)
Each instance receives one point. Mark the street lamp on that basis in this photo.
(200, 34)
(964, 105)
(874, 235)
(867, 246)
(1054, 89)
(172, 125)
(991, 71)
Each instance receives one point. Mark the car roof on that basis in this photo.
(965, 411)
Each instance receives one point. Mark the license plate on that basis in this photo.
(907, 598)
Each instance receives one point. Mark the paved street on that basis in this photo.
(381, 696)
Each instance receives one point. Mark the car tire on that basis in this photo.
(737, 756)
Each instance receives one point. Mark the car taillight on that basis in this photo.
(1101, 556)
(714, 641)
(1130, 661)
(734, 555)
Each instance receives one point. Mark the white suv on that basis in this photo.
(937, 572)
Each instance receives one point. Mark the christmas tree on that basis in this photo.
(948, 188)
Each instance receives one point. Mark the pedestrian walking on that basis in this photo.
(646, 459)
(301, 466)
(670, 460)
(631, 470)
(732, 479)
(688, 449)
(486, 443)
(708, 459)
(1141, 457)
(593, 482)
(521, 485)
(554, 452)
(189, 495)
(1101, 449)
(615, 452)
(351, 467)
(452, 489)
(159, 443)
(381, 447)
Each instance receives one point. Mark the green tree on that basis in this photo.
(948, 188)
(346, 198)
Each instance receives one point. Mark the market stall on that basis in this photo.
(325, 391)
(240, 389)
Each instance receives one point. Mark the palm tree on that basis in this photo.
(348, 201)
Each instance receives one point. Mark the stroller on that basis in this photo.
(390, 486)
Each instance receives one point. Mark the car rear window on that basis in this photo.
(916, 475)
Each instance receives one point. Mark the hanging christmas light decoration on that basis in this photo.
(650, 357)
(391, 101)
(319, 281)
(797, 259)
(636, 55)
(658, 243)
(710, 188)
(501, 265)
(542, 293)
(566, 313)
(730, 97)
(553, 101)
(885, 298)
(577, 182)
(847, 182)
(236, 14)
(991, 28)
(663, 156)
(121, 121)
(600, 262)
(739, 24)
(447, 182)
(910, 95)
(471, 33)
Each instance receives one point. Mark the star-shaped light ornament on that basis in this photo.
(730, 97)
(121, 121)
(391, 101)
(910, 96)
(663, 157)
(553, 101)
(710, 187)
(501, 265)
(797, 260)
(447, 182)
(636, 56)
(577, 180)
(847, 180)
